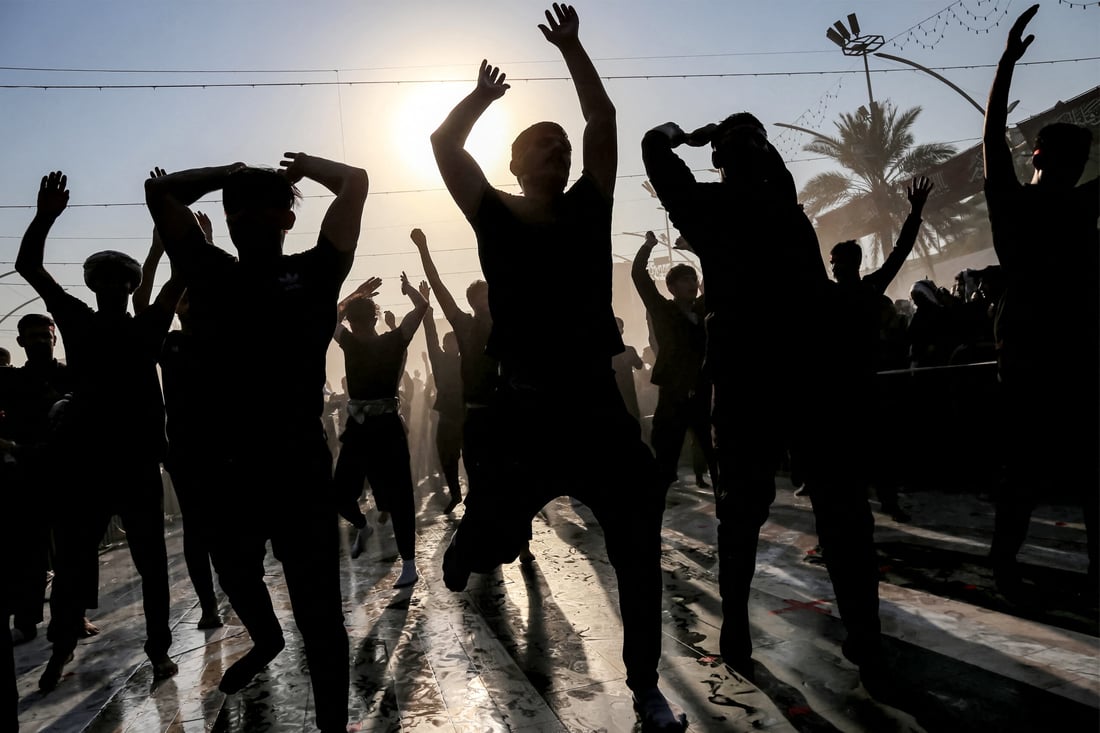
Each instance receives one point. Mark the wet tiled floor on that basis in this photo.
(538, 649)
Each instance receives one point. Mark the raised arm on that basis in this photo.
(998, 156)
(345, 214)
(643, 283)
(917, 193)
(169, 196)
(53, 197)
(461, 173)
(431, 333)
(670, 176)
(447, 303)
(600, 151)
(412, 319)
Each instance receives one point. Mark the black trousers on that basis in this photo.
(132, 489)
(448, 446)
(754, 427)
(280, 491)
(676, 413)
(377, 451)
(585, 445)
(190, 483)
(28, 527)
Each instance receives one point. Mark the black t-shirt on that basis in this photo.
(480, 372)
(536, 306)
(116, 390)
(374, 364)
(1049, 250)
(26, 396)
(185, 396)
(264, 328)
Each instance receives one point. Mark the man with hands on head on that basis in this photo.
(267, 317)
(769, 314)
(563, 427)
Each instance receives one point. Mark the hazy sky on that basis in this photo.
(409, 62)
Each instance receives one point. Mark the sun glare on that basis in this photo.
(420, 110)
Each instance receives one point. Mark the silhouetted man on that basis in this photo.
(560, 424)
(269, 317)
(112, 438)
(186, 429)
(26, 396)
(862, 309)
(1047, 335)
(769, 303)
(446, 363)
(480, 370)
(374, 445)
(683, 391)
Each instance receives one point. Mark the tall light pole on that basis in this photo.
(854, 43)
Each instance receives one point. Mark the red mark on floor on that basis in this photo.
(817, 606)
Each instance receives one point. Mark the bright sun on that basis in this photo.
(419, 111)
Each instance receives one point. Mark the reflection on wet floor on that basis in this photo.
(538, 648)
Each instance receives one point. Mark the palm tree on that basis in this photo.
(880, 158)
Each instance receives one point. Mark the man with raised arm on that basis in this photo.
(1047, 336)
(683, 390)
(375, 446)
(562, 427)
(267, 317)
(113, 434)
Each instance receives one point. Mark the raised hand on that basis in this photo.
(650, 239)
(682, 244)
(561, 28)
(418, 238)
(369, 287)
(294, 166)
(206, 226)
(490, 81)
(406, 286)
(157, 172)
(390, 319)
(917, 193)
(425, 289)
(53, 197)
(1016, 45)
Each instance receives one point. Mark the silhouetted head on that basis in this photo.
(925, 293)
(5, 357)
(683, 282)
(450, 342)
(113, 277)
(477, 295)
(258, 205)
(37, 336)
(1061, 152)
(845, 259)
(739, 145)
(620, 324)
(541, 156)
(362, 313)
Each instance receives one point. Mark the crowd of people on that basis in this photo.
(774, 365)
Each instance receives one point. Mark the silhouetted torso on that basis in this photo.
(480, 372)
(374, 365)
(530, 301)
(268, 327)
(26, 396)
